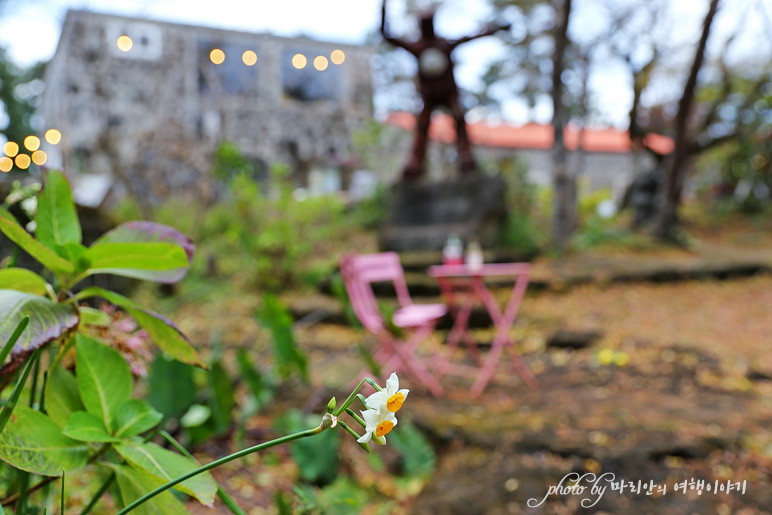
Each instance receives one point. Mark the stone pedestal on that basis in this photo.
(422, 215)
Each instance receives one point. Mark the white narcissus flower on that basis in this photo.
(391, 396)
(378, 423)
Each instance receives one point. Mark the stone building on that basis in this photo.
(146, 103)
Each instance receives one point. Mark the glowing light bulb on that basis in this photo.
(32, 143)
(320, 63)
(6, 163)
(11, 148)
(53, 136)
(217, 56)
(124, 43)
(22, 161)
(299, 61)
(249, 58)
(337, 57)
(39, 157)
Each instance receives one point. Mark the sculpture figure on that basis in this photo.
(437, 87)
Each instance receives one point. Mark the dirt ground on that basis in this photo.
(676, 387)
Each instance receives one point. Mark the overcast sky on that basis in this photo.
(29, 29)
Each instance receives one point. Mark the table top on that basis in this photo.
(487, 269)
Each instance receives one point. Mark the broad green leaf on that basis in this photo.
(171, 389)
(148, 261)
(134, 483)
(104, 378)
(151, 232)
(168, 465)
(221, 397)
(86, 427)
(62, 397)
(135, 416)
(32, 442)
(48, 321)
(22, 280)
(17, 234)
(91, 316)
(57, 218)
(163, 332)
(75, 253)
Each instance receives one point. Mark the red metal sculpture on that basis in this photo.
(437, 86)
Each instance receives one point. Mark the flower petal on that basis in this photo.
(365, 437)
(392, 384)
(378, 399)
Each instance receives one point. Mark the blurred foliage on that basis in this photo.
(20, 94)
(521, 230)
(317, 459)
(371, 212)
(274, 317)
(418, 456)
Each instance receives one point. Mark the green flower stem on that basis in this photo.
(356, 417)
(350, 431)
(351, 397)
(222, 461)
(226, 499)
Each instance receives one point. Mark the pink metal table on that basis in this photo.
(472, 284)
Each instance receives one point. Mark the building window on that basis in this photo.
(227, 68)
(309, 75)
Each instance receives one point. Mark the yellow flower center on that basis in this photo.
(395, 402)
(383, 428)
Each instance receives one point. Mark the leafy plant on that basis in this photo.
(274, 316)
(88, 418)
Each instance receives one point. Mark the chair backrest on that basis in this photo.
(359, 271)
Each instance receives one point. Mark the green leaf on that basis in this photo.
(57, 218)
(221, 398)
(163, 332)
(22, 280)
(10, 404)
(250, 374)
(416, 451)
(48, 321)
(62, 397)
(134, 483)
(86, 427)
(17, 234)
(171, 389)
(317, 457)
(104, 378)
(32, 442)
(147, 261)
(91, 316)
(135, 416)
(275, 317)
(149, 232)
(168, 465)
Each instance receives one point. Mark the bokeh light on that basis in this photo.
(11, 148)
(249, 58)
(53, 136)
(320, 63)
(217, 56)
(6, 163)
(39, 157)
(299, 61)
(22, 161)
(124, 43)
(337, 57)
(32, 143)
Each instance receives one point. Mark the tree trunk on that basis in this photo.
(564, 182)
(667, 222)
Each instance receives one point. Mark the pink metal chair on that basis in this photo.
(359, 272)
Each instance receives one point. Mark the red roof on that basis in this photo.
(531, 135)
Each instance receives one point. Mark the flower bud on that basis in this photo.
(365, 446)
(331, 405)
